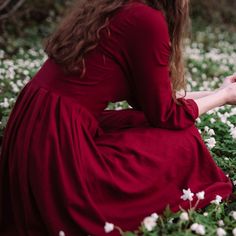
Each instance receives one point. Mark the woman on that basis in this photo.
(66, 164)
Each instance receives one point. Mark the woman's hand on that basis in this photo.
(228, 80)
(230, 90)
(226, 94)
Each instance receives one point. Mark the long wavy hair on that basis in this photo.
(78, 33)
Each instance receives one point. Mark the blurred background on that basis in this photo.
(28, 21)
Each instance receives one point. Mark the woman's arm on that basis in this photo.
(194, 94)
(215, 99)
(199, 94)
(226, 95)
(149, 70)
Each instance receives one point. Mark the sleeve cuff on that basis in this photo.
(193, 107)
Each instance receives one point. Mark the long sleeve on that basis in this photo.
(147, 53)
(111, 120)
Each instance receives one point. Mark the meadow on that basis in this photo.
(210, 57)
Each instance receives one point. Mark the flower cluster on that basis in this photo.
(188, 195)
(188, 220)
(150, 222)
(217, 200)
(198, 229)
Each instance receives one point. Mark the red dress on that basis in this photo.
(66, 164)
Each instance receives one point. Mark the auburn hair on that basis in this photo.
(78, 33)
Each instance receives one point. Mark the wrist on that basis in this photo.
(222, 96)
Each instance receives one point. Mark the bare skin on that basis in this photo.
(194, 95)
(207, 100)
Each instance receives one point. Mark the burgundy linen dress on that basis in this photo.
(67, 164)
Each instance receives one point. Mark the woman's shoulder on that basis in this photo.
(140, 10)
(137, 13)
(139, 6)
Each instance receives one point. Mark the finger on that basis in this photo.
(231, 78)
(234, 77)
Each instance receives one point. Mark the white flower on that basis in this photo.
(233, 214)
(149, 223)
(188, 195)
(108, 227)
(211, 132)
(211, 142)
(221, 223)
(220, 232)
(234, 232)
(201, 195)
(198, 120)
(205, 213)
(217, 200)
(212, 120)
(200, 230)
(184, 216)
(233, 132)
(194, 226)
(61, 233)
(5, 103)
(170, 221)
(223, 118)
(155, 216)
(229, 124)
